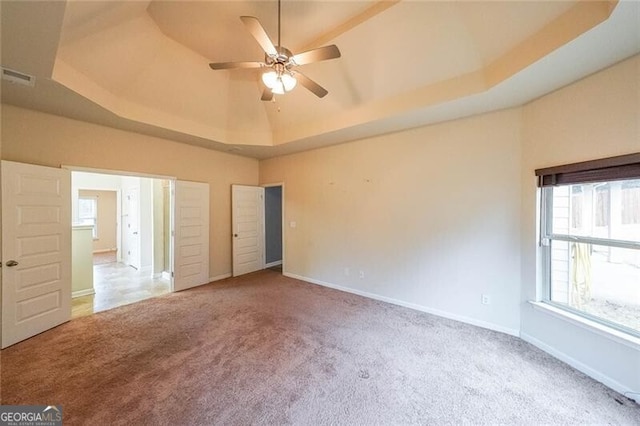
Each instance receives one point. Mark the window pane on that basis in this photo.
(598, 280)
(608, 210)
(87, 208)
(631, 202)
(88, 213)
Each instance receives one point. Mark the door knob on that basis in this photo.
(235, 235)
(11, 263)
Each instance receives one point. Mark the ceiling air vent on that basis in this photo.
(18, 77)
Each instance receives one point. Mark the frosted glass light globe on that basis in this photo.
(288, 81)
(278, 87)
(270, 79)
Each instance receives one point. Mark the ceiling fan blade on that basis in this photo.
(232, 65)
(316, 55)
(257, 31)
(267, 95)
(314, 87)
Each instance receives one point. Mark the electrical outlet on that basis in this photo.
(361, 275)
(486, 299)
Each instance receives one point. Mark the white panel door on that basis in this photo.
(248, 228)
(131, 215)
(36, 250)
(191, 243)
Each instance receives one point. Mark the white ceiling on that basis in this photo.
(143, 66)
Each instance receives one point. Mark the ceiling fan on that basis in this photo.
(280, 76)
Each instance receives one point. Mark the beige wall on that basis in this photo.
(431, 216)
(438, 215)
(0, 234)
(107, 219)
(594, 118)
(37, 138)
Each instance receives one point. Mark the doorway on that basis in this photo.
(273, 226)
(37, 206)
(125, 255)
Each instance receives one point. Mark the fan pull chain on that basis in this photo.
(279, 23)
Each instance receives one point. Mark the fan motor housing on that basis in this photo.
(282, 58)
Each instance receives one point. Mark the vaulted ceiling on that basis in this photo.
(143, 65)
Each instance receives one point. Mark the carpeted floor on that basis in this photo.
(266, 349)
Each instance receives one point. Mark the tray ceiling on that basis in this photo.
(143, 66)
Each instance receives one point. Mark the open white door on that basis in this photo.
(191, 243)
(248, 228)
(131, 207)
(36, 250)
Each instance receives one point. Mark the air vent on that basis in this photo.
(18, 77)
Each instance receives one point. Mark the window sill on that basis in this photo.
(608, 332)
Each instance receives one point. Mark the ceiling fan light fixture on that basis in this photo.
(288, 81)
(270, 79)
(278, 88)
(278, 77)
(279, 83)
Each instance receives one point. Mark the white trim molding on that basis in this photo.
(584, 368)
(444, 314)
(115, 172)
(85, 292)
(104, 250)
(272, 264)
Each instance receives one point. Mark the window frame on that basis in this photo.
(94, 218)
(625, 167)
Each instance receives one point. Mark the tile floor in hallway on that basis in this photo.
(117, 284)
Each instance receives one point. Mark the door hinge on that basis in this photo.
(172, 274)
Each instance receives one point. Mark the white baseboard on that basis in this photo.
(272, 264)
(444, 314)
(219, 277)
(104, 250)
(146, 270)
(85, 292)
(595, 374)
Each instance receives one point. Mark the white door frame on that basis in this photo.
(280, 184)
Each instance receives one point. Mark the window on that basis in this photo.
(590, 239)
(88, 213)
